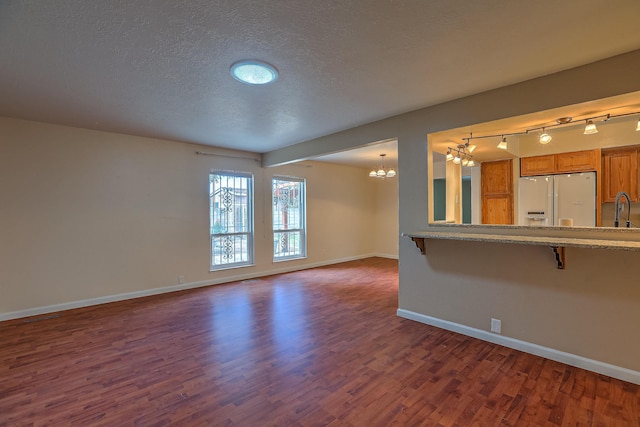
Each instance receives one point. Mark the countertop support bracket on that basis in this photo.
(559, 253)
(419, 241)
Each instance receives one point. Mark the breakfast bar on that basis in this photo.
(557, 244)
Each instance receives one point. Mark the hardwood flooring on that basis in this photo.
(320, 347)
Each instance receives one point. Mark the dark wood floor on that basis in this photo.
(313, 348)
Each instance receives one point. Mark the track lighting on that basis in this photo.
(590, 128)
(461, 155)
(545, 138)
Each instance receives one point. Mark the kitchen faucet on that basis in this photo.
(616, 222)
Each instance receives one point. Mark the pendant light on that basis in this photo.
(503, 144)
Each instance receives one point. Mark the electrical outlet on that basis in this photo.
(180, 280)
(496, 326)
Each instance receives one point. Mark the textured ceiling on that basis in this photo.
(160, 68)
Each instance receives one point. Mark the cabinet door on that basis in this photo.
(577, 161)
(497, 192)
(620, 173)
(497, 209)
(538, 165)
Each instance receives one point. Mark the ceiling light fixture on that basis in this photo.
(461, 155)
(382, 172)
(254, 72)
(545, 138)
(590, 128)
(503, 143)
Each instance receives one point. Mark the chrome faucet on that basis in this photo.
(616, 221)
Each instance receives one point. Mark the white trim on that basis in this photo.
(389, 256)
(36, 311)
(613, 371)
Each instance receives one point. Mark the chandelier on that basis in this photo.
(382, 172)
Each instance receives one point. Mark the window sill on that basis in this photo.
(231, 267)
(289, 259)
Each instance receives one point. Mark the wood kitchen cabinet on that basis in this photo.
(497, 192)
(538, 165)
(620, 173)
(576, 161)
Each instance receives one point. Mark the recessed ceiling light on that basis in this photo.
(254, 72)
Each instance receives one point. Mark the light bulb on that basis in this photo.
(465, 161)
(456, 160)
(471, 148)
(449, 156)
(471, 163)
(503, 144)
(391, 173)
(373, 174)
(380, 173)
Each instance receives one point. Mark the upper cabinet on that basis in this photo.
(576, 161)
(538, 165)
(620, 173)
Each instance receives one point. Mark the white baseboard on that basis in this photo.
(527, 347)
(389, 256)
(37, 311)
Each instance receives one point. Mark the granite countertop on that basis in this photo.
(579, 242)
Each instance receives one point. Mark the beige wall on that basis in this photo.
(386, 230)
(591, 309)
(89, 214)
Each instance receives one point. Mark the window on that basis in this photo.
(231, 219)
(289, 235)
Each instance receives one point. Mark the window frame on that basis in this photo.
(250, 233)
(302, 209)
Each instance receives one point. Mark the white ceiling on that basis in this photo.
(367, 156)
(160, 68)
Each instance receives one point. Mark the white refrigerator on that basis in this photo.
(567, 199)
